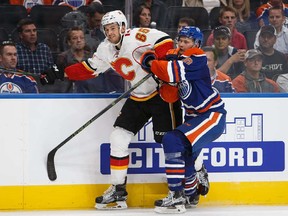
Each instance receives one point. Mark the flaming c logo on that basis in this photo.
(124, 67)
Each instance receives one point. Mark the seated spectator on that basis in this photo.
(229, 59)
(251, 79)
(262, 12)
(28, 4)
(104, 83)
(75, 53)
(274, 62)
(142, 16)
(207, 4)
(246, 19)
(93, 33)
(11, 82)
(220, 81)
(158, 10)
(183, 21)
(33, 56)
(228, 17)
(276, 19)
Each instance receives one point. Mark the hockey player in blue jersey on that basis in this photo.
(12, 82)
(187, 75)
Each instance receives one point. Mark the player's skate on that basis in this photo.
(203, 187)
(173, 203)
(192, 201)
(113, 198)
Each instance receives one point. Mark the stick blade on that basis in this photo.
(51, 166)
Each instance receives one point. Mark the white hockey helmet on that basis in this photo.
(115, 16)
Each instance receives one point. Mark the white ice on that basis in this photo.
(199, 211)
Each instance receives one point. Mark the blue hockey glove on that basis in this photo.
(146, 58)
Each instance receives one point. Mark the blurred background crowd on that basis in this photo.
(246, 41)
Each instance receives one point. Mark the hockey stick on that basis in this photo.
(50, 159)
(6, 70)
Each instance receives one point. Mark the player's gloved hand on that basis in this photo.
(146, 58)
(48, 77)
(172, 54)
(58, 73)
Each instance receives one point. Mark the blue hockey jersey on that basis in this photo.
(14, 83)
(191, 73)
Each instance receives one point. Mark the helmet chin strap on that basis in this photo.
(118, 45)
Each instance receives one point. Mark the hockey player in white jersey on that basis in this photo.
(121, 50)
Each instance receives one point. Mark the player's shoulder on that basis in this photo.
(23, 78)
(195, 52)
(137, 30)
(104, 45)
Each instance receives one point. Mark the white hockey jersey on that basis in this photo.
(126, 61)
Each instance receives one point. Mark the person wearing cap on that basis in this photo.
(277, 19)
(251, 79)
(228, 17)
(274, 62)
(229, 58)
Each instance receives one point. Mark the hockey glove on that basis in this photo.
(47, 77)
(146, 58)
(58, 73)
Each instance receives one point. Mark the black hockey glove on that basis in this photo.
(146, 58)
(48, 77)
(58, 73)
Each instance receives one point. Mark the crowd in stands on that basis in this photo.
(246, 41)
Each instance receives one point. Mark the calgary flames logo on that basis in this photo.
(124, 67)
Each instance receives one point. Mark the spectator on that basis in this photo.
(75, 53)
(28, 4)
(33, 56)
(11, 82)
(183, 21)
(158, 10)
(274, 62)
(262, 12)
(93, 33)
(142, 16)
(228, 17)
(246, 19)
(230, 60)
(276, 19)
(220, 81)
(251, 80)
